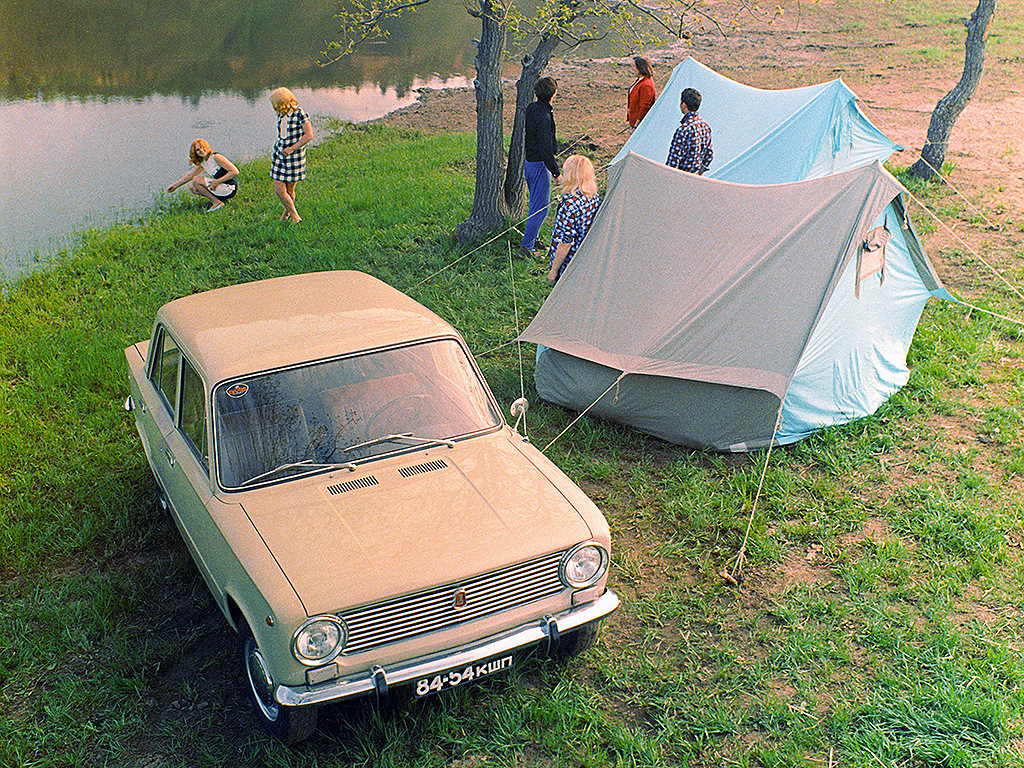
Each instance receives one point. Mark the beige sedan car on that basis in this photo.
(351, 494)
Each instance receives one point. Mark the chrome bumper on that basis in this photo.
(378, 679)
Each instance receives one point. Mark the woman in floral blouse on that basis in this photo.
(288, 163)
(576, 211)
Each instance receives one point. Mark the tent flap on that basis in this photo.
(689, 277)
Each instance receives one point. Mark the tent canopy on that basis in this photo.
(690, 278)
(764, 136)
(695, 278)
(787, 277)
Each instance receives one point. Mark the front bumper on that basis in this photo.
(379, 680)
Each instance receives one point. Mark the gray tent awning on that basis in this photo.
(689, 277)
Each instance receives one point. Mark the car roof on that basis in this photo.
(258, 326)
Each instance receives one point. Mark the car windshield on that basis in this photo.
(288, 423)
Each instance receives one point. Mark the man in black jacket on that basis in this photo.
(540, 165)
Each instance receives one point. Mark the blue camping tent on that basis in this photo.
(724, 299)
(765, 136)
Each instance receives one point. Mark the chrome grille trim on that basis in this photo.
(479, 604)
(427, 466)
(398, 610)
(432, 610)
(351, 485)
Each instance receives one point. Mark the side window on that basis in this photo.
(193, 411)
(154, 371)
(164, 375)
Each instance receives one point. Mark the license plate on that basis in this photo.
(453, 678)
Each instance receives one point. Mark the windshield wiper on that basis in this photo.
(297, 464)
(396, 438)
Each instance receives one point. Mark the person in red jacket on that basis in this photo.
(642, 94)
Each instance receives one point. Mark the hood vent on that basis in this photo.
(419, 469)
(351, 485)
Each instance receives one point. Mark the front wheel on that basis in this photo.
(288, 724)
(579, 640)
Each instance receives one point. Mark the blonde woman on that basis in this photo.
(212, 177)
(576, 212)
(288, 163)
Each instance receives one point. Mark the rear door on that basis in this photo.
(180, 454)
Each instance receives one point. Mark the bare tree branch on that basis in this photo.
(687, 8)
(625, 20)
(394, 10)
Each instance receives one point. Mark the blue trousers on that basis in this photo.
(538, 182)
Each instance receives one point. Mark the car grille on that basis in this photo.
(434, 609)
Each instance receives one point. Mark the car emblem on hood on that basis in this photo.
(459, 599)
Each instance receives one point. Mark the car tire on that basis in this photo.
(288, 724)
(579, 640)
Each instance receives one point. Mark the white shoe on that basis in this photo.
(216, 207)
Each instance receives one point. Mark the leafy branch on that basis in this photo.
(363, 23)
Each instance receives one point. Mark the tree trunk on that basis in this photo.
(952, 104)
(489, 211)
(533, 65)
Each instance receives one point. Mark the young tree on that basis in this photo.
(933, 155)
(571, 23)
(513, 189)
(488, 211)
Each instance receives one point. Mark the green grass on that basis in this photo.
(879, 617)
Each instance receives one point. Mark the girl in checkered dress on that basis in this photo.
(288, 163)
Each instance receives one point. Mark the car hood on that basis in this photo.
(408, 523)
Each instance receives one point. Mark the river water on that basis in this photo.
(100, 100)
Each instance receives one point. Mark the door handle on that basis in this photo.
(170, 458)
(129, 405)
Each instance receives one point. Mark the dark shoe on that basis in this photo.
(524, 253)
(540, 247)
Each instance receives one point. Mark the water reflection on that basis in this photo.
(121, 48)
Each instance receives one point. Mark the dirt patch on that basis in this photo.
(986, 614)
(875, 530)
(807, 565)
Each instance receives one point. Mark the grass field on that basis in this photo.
(878, 624)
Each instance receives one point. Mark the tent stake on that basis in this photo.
(736, 576)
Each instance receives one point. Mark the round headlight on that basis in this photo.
(319, 640)
(584, 565)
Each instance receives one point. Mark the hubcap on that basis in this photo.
(260, 681)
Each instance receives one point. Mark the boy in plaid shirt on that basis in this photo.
(691, 144)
